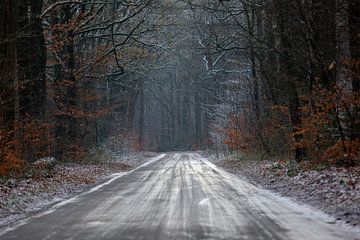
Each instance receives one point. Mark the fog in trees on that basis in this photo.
(276, 78)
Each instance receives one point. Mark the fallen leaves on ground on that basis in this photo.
(334, 190)
(20, 196)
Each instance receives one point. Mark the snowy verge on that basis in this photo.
(336, 191)
(20, 198)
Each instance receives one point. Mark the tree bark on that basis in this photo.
(290, 74)
(142, 112)
(354, 43)
(8, 69)
(66, 125)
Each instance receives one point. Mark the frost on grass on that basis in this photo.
(120, 150)
(334, 190)
(49, 182)
(21, 196)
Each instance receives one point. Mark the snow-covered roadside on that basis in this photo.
(21, 197)
(336, 191)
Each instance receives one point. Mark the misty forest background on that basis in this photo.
(276, 78)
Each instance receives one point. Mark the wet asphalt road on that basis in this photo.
(180, 196)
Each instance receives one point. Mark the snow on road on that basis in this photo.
(180, 196)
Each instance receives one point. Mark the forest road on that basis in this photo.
(178, 196)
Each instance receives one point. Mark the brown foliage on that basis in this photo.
(328, 120)
(342, 153)
(236, 137)
(11, 162)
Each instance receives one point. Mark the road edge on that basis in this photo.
(52, 207)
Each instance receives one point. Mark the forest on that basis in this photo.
(181, 105)
(275, 77)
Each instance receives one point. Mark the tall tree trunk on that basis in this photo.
(250, 20)
(323, 42)
(141, 117)
(31, 63)
(270, 64)
(290, 73)
(197, 111)
(354, 43)
(8, 70)
(66, 131)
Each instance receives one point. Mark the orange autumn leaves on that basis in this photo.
(328, 117)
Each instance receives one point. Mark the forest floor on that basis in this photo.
(336, 191)
(20, 197)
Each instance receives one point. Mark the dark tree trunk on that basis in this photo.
(354, 39)
(66, 132)
(290, 73)
(71, 91)
(270, 63)
(8, 70)
(197, 111)
(296, 121)
(323, 43)
(141, 117)
(31, 64)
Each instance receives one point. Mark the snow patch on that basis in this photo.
(15, 218)
(302, 209)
